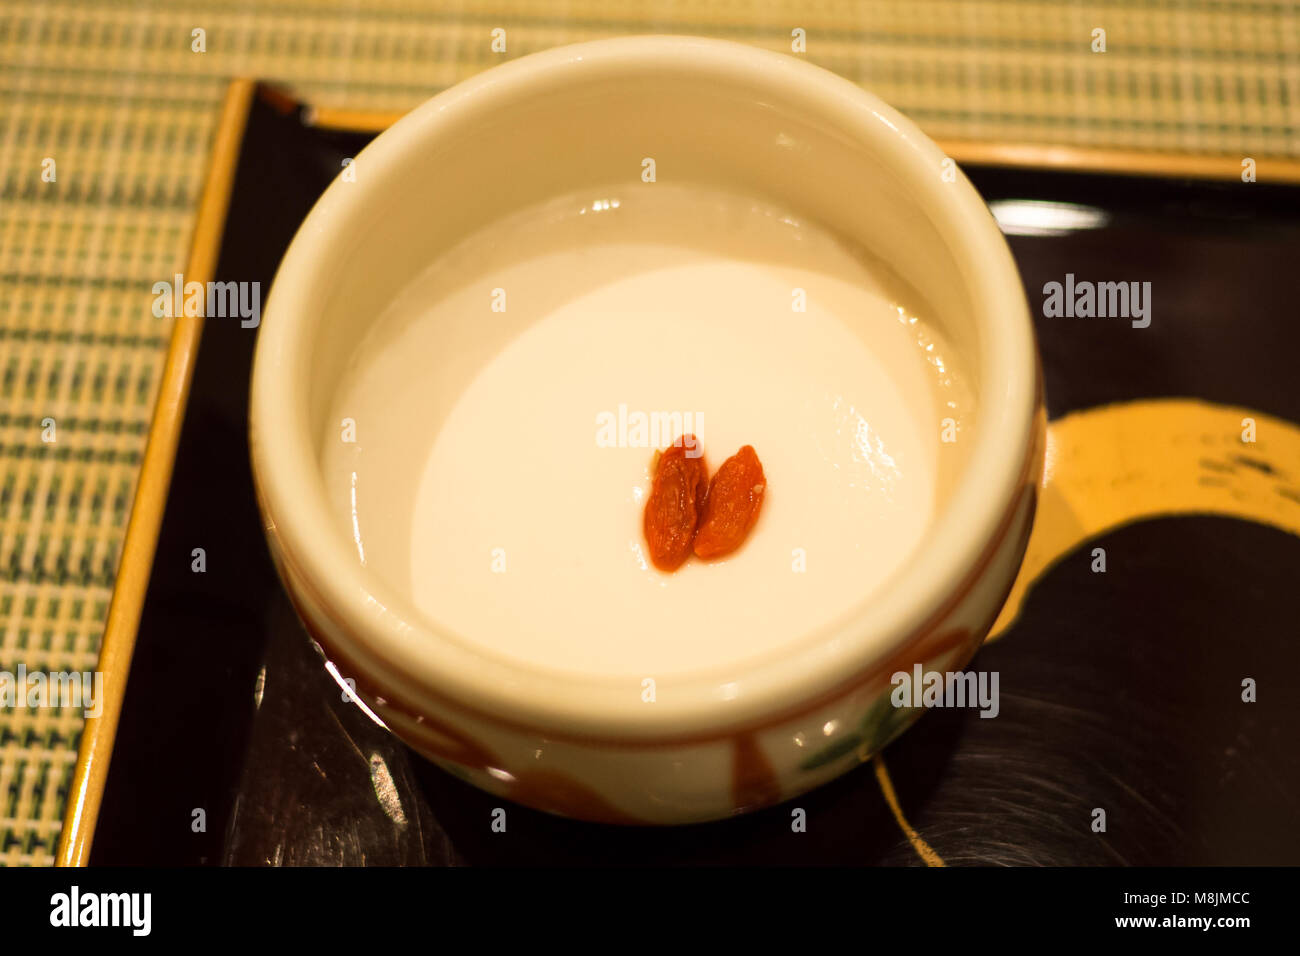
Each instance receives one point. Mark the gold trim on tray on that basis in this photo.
(1082, 159)
(151, 491)
(1127, 162)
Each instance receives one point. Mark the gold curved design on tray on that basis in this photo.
(923, 849)
(1116, 464)
(1113, 465)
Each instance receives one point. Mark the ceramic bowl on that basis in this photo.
(711, 112)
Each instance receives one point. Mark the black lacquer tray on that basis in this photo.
(1118, 690)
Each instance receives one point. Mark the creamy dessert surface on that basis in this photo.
(498, 476)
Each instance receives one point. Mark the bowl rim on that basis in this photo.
(404, 658)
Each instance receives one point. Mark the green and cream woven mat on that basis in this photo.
(106, 115)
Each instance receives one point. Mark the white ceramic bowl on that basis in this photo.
(711, 112)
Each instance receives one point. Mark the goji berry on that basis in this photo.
(672, 510)
(731, 504)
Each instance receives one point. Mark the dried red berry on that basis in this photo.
(672, 510)
(731, 504)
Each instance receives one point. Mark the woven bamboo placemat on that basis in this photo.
(107, 111)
